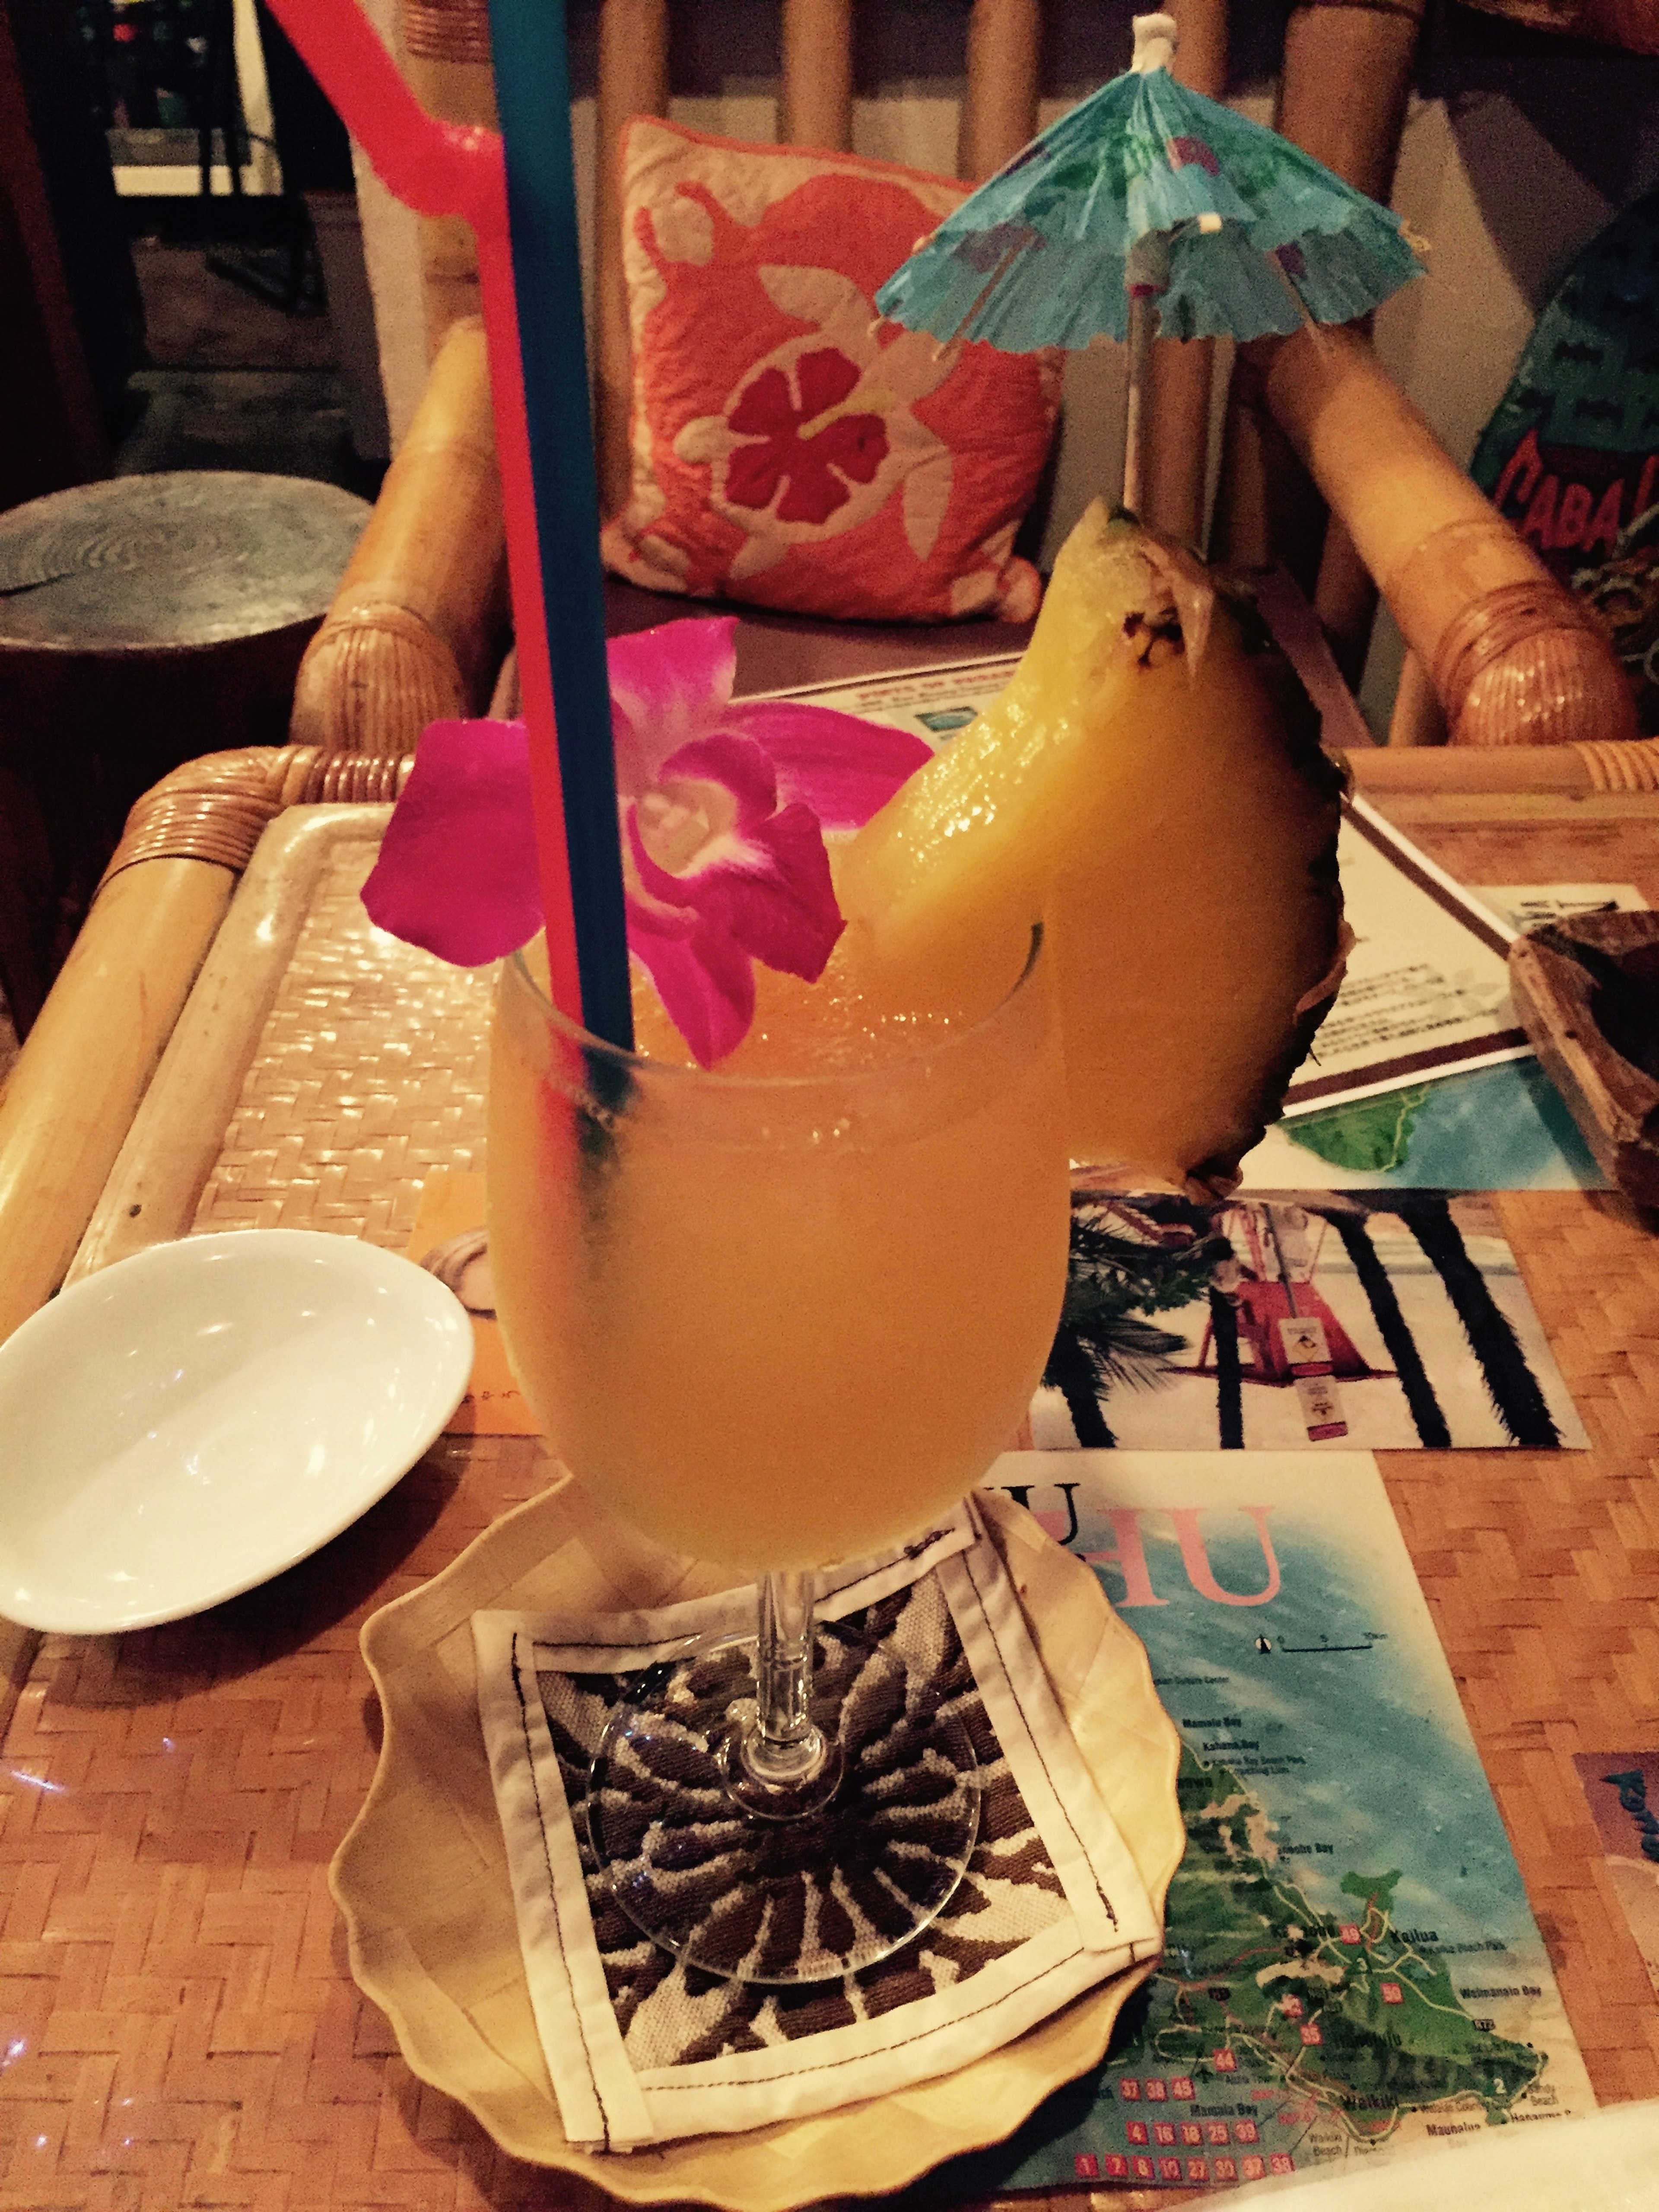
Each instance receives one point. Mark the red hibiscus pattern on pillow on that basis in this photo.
(796, 449)
(788, 448)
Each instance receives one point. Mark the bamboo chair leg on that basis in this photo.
(1418, 719)
(1344, 600)
(816, 107)
(1346, 79)
(447, 46)
(1265, 509)
(999, 107)
(633, 81)
(1342, 98)
(1177, 446)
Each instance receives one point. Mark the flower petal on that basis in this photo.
(705, 981)
(754, 472)
(668, 685)
(740, 763)
(768, 889)
(766, 407)
(824, 377)
(457, 872)
(844, 768)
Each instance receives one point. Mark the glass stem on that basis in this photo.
(786, 1748)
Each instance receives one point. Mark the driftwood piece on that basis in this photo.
(1588, 990)
(1514, 658)
(415, 629)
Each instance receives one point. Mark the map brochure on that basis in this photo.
(1351, 1963)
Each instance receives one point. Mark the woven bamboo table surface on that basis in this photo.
(178, 2027)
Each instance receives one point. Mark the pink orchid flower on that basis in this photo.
(724, 805)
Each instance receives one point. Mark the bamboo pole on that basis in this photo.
(815, 105)
(633, 81)
(446, 49)
(1514, 659)
(1342, 96)
(155, 1182)
(415, 631)
(88, 1060)
(1180, 373)
(1345, 83)
(1346, 79)
(1577, 770)
(999, 107)
(1417, 718)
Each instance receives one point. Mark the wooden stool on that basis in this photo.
(144, 620)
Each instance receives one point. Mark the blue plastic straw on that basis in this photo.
(532, 99)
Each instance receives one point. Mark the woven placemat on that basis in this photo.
(369, 1073)
(175, 1974)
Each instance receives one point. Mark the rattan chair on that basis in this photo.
(1327, 467)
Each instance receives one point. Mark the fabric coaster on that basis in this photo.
(641, 2048)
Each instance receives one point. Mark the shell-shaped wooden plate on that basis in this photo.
(421, 1878)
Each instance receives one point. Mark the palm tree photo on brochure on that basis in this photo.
(1295, 1319)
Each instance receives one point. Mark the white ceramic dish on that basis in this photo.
(194, 1420)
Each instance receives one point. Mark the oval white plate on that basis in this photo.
(194, 1420)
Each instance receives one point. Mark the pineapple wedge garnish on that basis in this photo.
(1146, 787)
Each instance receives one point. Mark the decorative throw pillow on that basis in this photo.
(787, 448)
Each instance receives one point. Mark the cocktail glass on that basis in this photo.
(777, 1322)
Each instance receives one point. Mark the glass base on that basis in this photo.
(712, 1861)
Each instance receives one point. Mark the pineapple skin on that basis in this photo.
(1173, 825)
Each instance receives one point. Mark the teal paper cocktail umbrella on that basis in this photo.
(1147, 200)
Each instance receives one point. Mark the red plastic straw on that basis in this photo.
(450, 168)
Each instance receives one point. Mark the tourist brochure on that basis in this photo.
(1351, 1962)
(1297, 1319)
(1310, 1319)
(1623, 1790)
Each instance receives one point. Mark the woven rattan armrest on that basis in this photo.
(88, 1058)
(417, 627)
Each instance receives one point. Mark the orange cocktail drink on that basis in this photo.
(777, 1319)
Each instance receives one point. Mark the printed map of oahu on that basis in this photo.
(1366, 2029)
